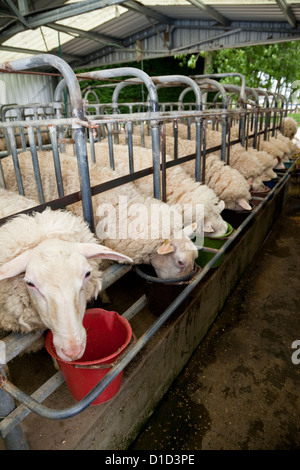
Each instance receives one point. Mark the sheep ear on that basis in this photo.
(208, 227)
(165, 248)
(189, 230)
(221, 205)
(244, 204)
(250, 181)
(15, 266)
(92, 250)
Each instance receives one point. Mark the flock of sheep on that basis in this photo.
(50, 264)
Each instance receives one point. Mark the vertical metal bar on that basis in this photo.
(198, 123)
(82, 160)
(21, 130)
(35, 163)
(38, 130)
(2, 179)
(56, 160)
(224, 133)
(175, 133)
(15, 439)
(163, 163)
(110, 146)
(156, 159)
(204, 129)
(92, 144)
(14, 153)
(130, 146)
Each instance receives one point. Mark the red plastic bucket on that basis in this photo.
(108, 334)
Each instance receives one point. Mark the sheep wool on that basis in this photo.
(289, 128)
(141, 249)
(22, 233)
(189, 192)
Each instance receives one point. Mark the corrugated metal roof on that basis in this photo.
(186, 23)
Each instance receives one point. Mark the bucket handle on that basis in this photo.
(112, 364)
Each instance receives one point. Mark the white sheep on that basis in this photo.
(287, 145)
(278, 147)
(227, 183)
(269, 162)
(248, 165)
(146, 250)
(12, 203)
(187, 192)
(49, 269)
(289, 127)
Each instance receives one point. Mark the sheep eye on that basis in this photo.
(87, 274)
(29, 283)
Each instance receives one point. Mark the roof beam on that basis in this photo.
(36, 20)
(211, 12)
(17, 13)
(136, 6)
(98, 37)
(33, 51)
(287, 11)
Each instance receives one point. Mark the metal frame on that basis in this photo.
(14, 343)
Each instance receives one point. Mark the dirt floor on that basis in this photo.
(240, 390)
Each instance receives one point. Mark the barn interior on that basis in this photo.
(211, 352)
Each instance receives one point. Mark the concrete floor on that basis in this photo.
(240, 390)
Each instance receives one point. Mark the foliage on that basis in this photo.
(267, 66)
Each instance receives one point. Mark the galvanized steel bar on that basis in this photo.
(14, 153)
(14, 343)
(35, 164)
(56, 160)
(15, 439)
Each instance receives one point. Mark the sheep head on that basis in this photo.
(176, 257)
(57, 273)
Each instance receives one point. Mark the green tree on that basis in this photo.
(267, 66)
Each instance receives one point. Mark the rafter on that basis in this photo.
(17, 13)
(211, 12)
(41, 19)
(33, 51)
(98, 37)
(287, 11)
(149, 12)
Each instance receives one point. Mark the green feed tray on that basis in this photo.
(212, 242)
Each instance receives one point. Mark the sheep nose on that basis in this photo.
(73, 353)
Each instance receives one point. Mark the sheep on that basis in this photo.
(248, 165)
(12, 203)
(188, 193)
(49, 269)
(268, 161)
(289, 128)
(227, 183)
(288, 146)
(147, 250)
(280, 147)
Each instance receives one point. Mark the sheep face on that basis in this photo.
(214, 224)
(176, 257)
(57, 273)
